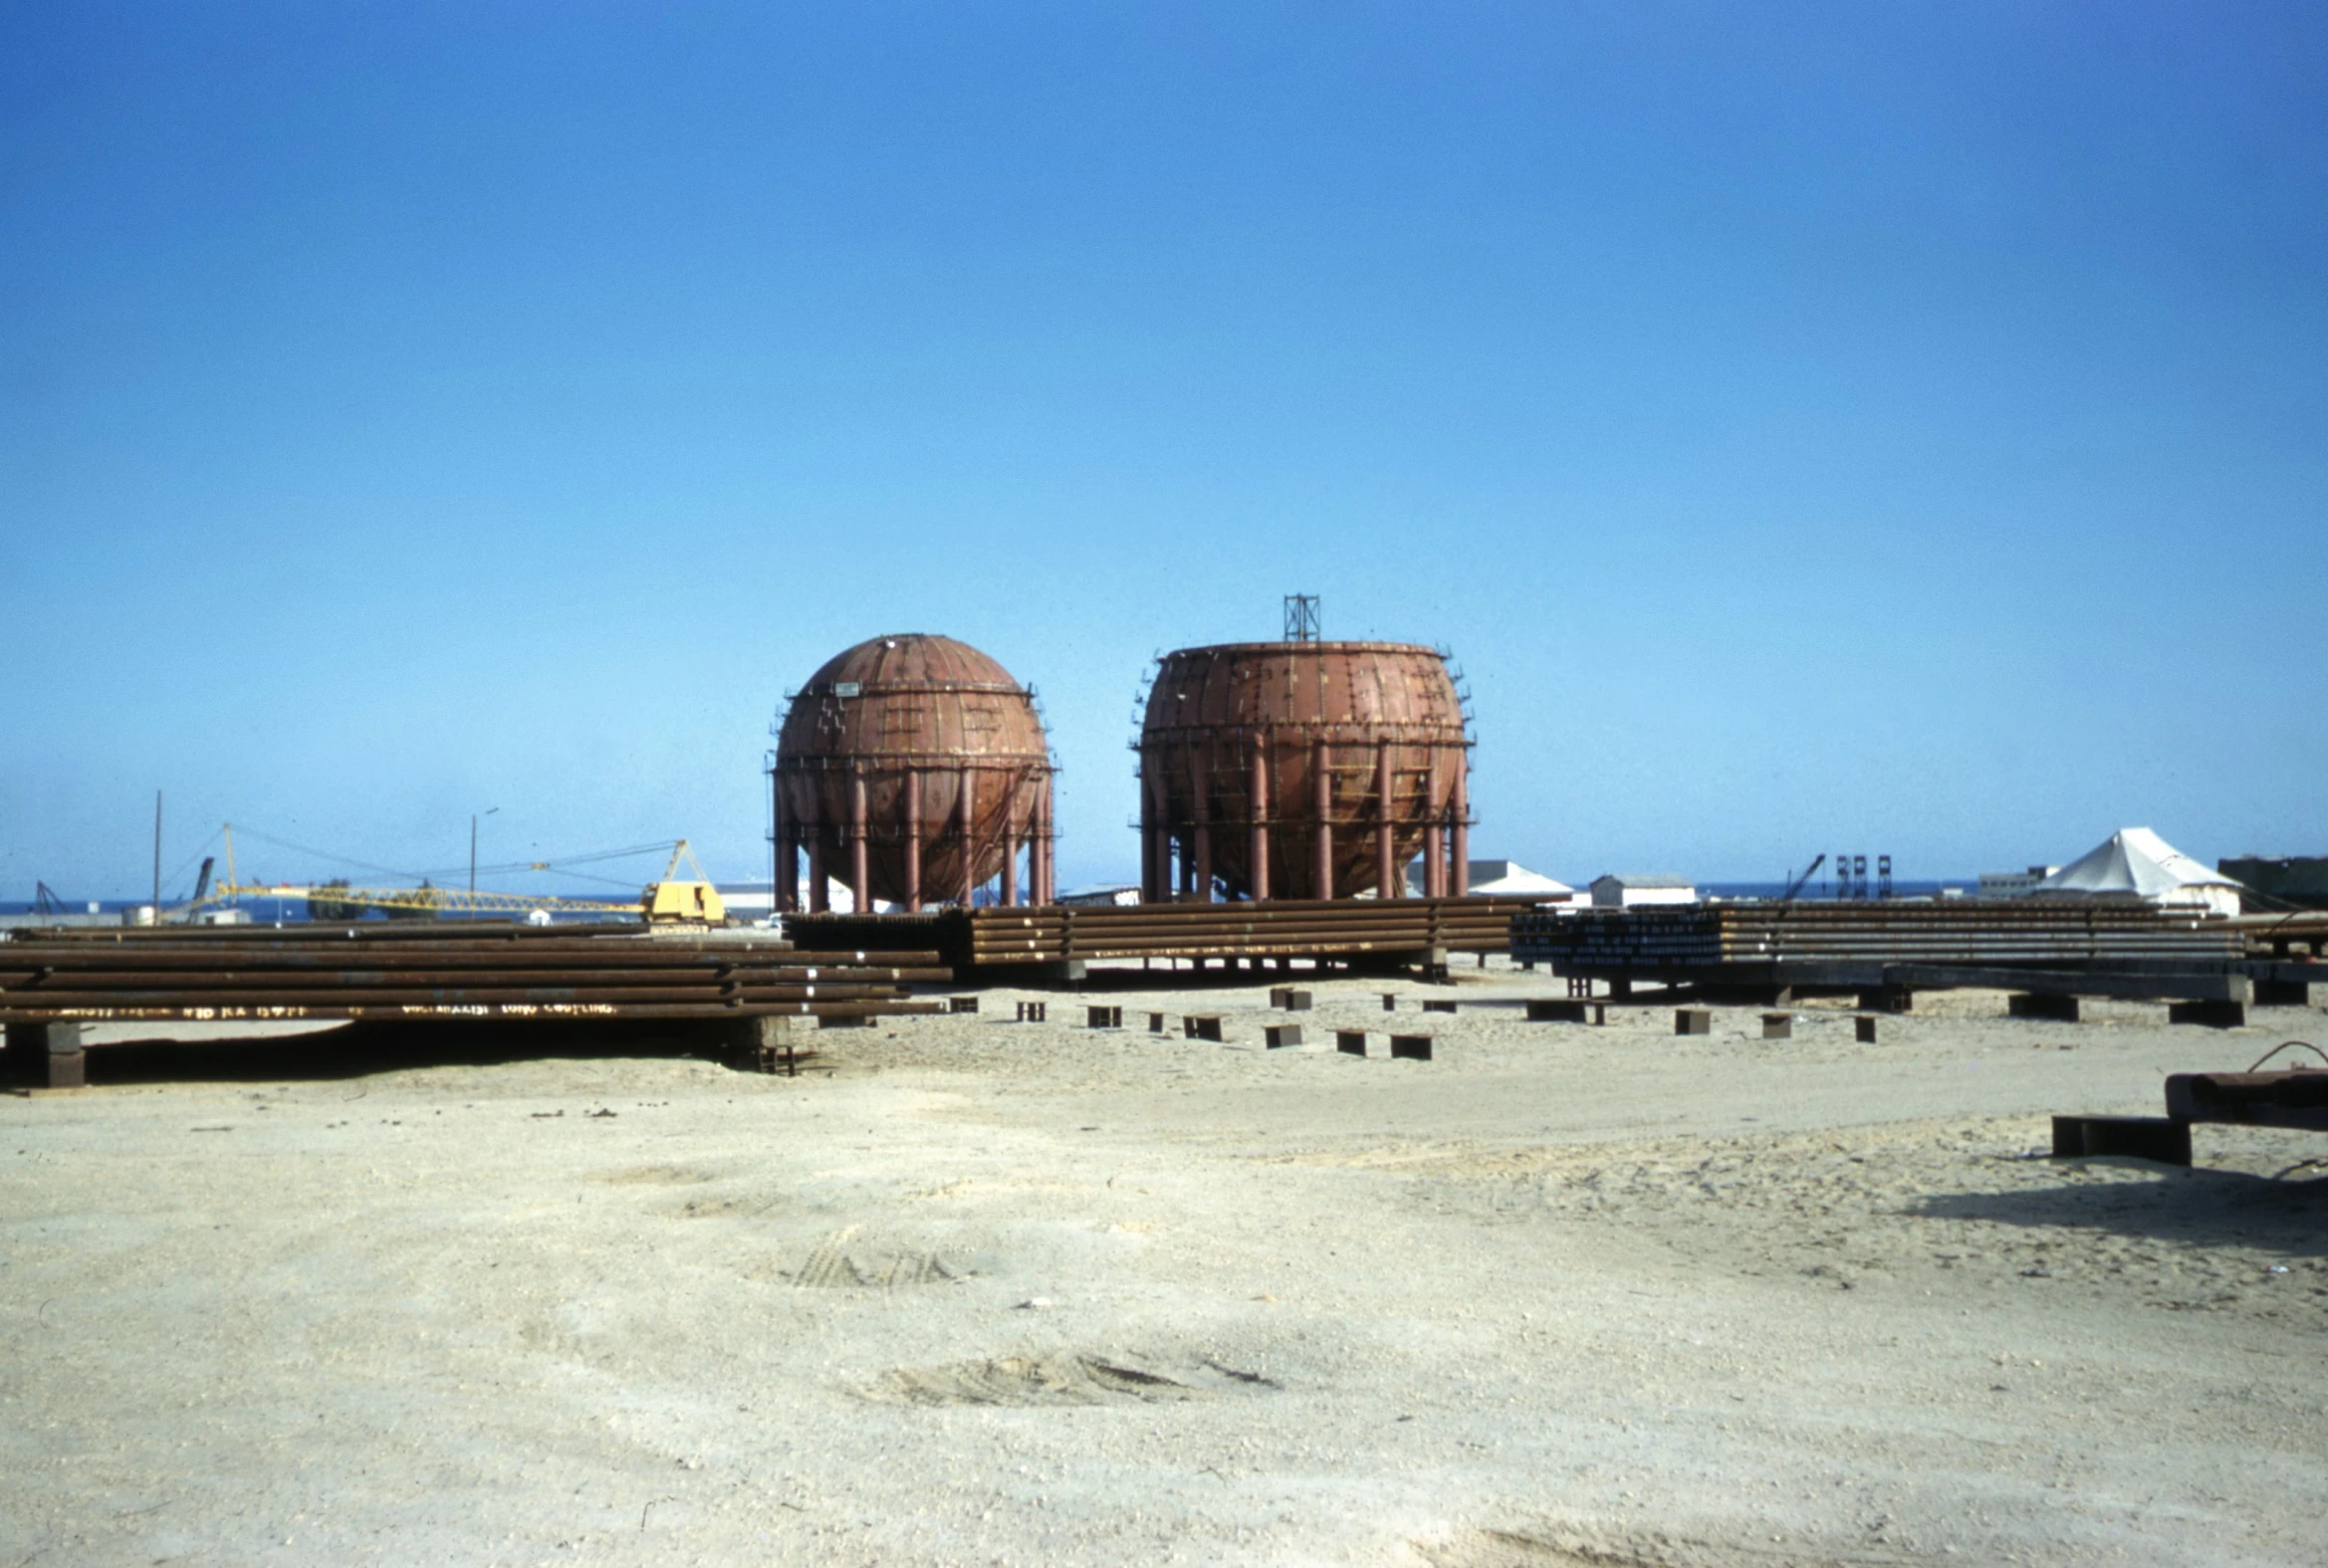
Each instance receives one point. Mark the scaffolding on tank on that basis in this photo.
(1302, 769)
(916, 767)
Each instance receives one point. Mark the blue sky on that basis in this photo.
(1894, 427)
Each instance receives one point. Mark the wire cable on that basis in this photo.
(173, 879)
(325, 855)
(510, 868)
(559, 863)
(2286, 1044)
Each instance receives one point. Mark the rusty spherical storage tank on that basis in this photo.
(1303, 770)
(915, 770)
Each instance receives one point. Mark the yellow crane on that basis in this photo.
(664, 902)
(669, 900)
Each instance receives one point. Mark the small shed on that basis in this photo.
(1629, 892)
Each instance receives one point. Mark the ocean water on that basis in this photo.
(75, 906)
(1817, 887)
(262, 910)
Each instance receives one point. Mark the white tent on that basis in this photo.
(2136, 862)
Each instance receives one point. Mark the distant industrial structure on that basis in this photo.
(2013, 884)
(917, 770)
(2298, 880)
(1303, 770)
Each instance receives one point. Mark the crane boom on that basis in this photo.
(432, 900)
(1808, 872)
(666, 900)
(670, 899)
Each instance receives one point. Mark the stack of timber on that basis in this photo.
(1290, 928)
(2087, 947)
(2295, 1099)
(432, 971)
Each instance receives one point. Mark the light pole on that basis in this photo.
(489, 811)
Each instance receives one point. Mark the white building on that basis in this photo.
(1104, 894)
(749, 901)
(1629, 892)
(2013, 884)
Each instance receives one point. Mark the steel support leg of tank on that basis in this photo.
(1459, 851)
(1034, 850)
(1167, 844)
(1258, 877)
(1321, 800)
(780, 900)
(1433, 839)
(1386, 882)
(913, 839)
(820, 893)
(965, 821)
(860, 881)
(1009, 867)
(788, 870)
(1155, 878)
(1201, 837)
(1045, 859)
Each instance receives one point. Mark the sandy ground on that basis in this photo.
(973, 1291)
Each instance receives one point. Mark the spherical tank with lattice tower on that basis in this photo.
(1300, 770)
(916, 770)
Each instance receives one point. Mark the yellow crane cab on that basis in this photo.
(696, 902)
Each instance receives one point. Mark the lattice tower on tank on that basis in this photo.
(1303, 770)
(916, 770)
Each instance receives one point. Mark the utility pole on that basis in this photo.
(473, 845)
(157, 857)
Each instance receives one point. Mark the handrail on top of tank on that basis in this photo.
(940, 688)
(884, 761)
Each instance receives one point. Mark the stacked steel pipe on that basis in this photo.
(2302, 933)
(416, 973)
(1953, 931)
(1308, 928)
